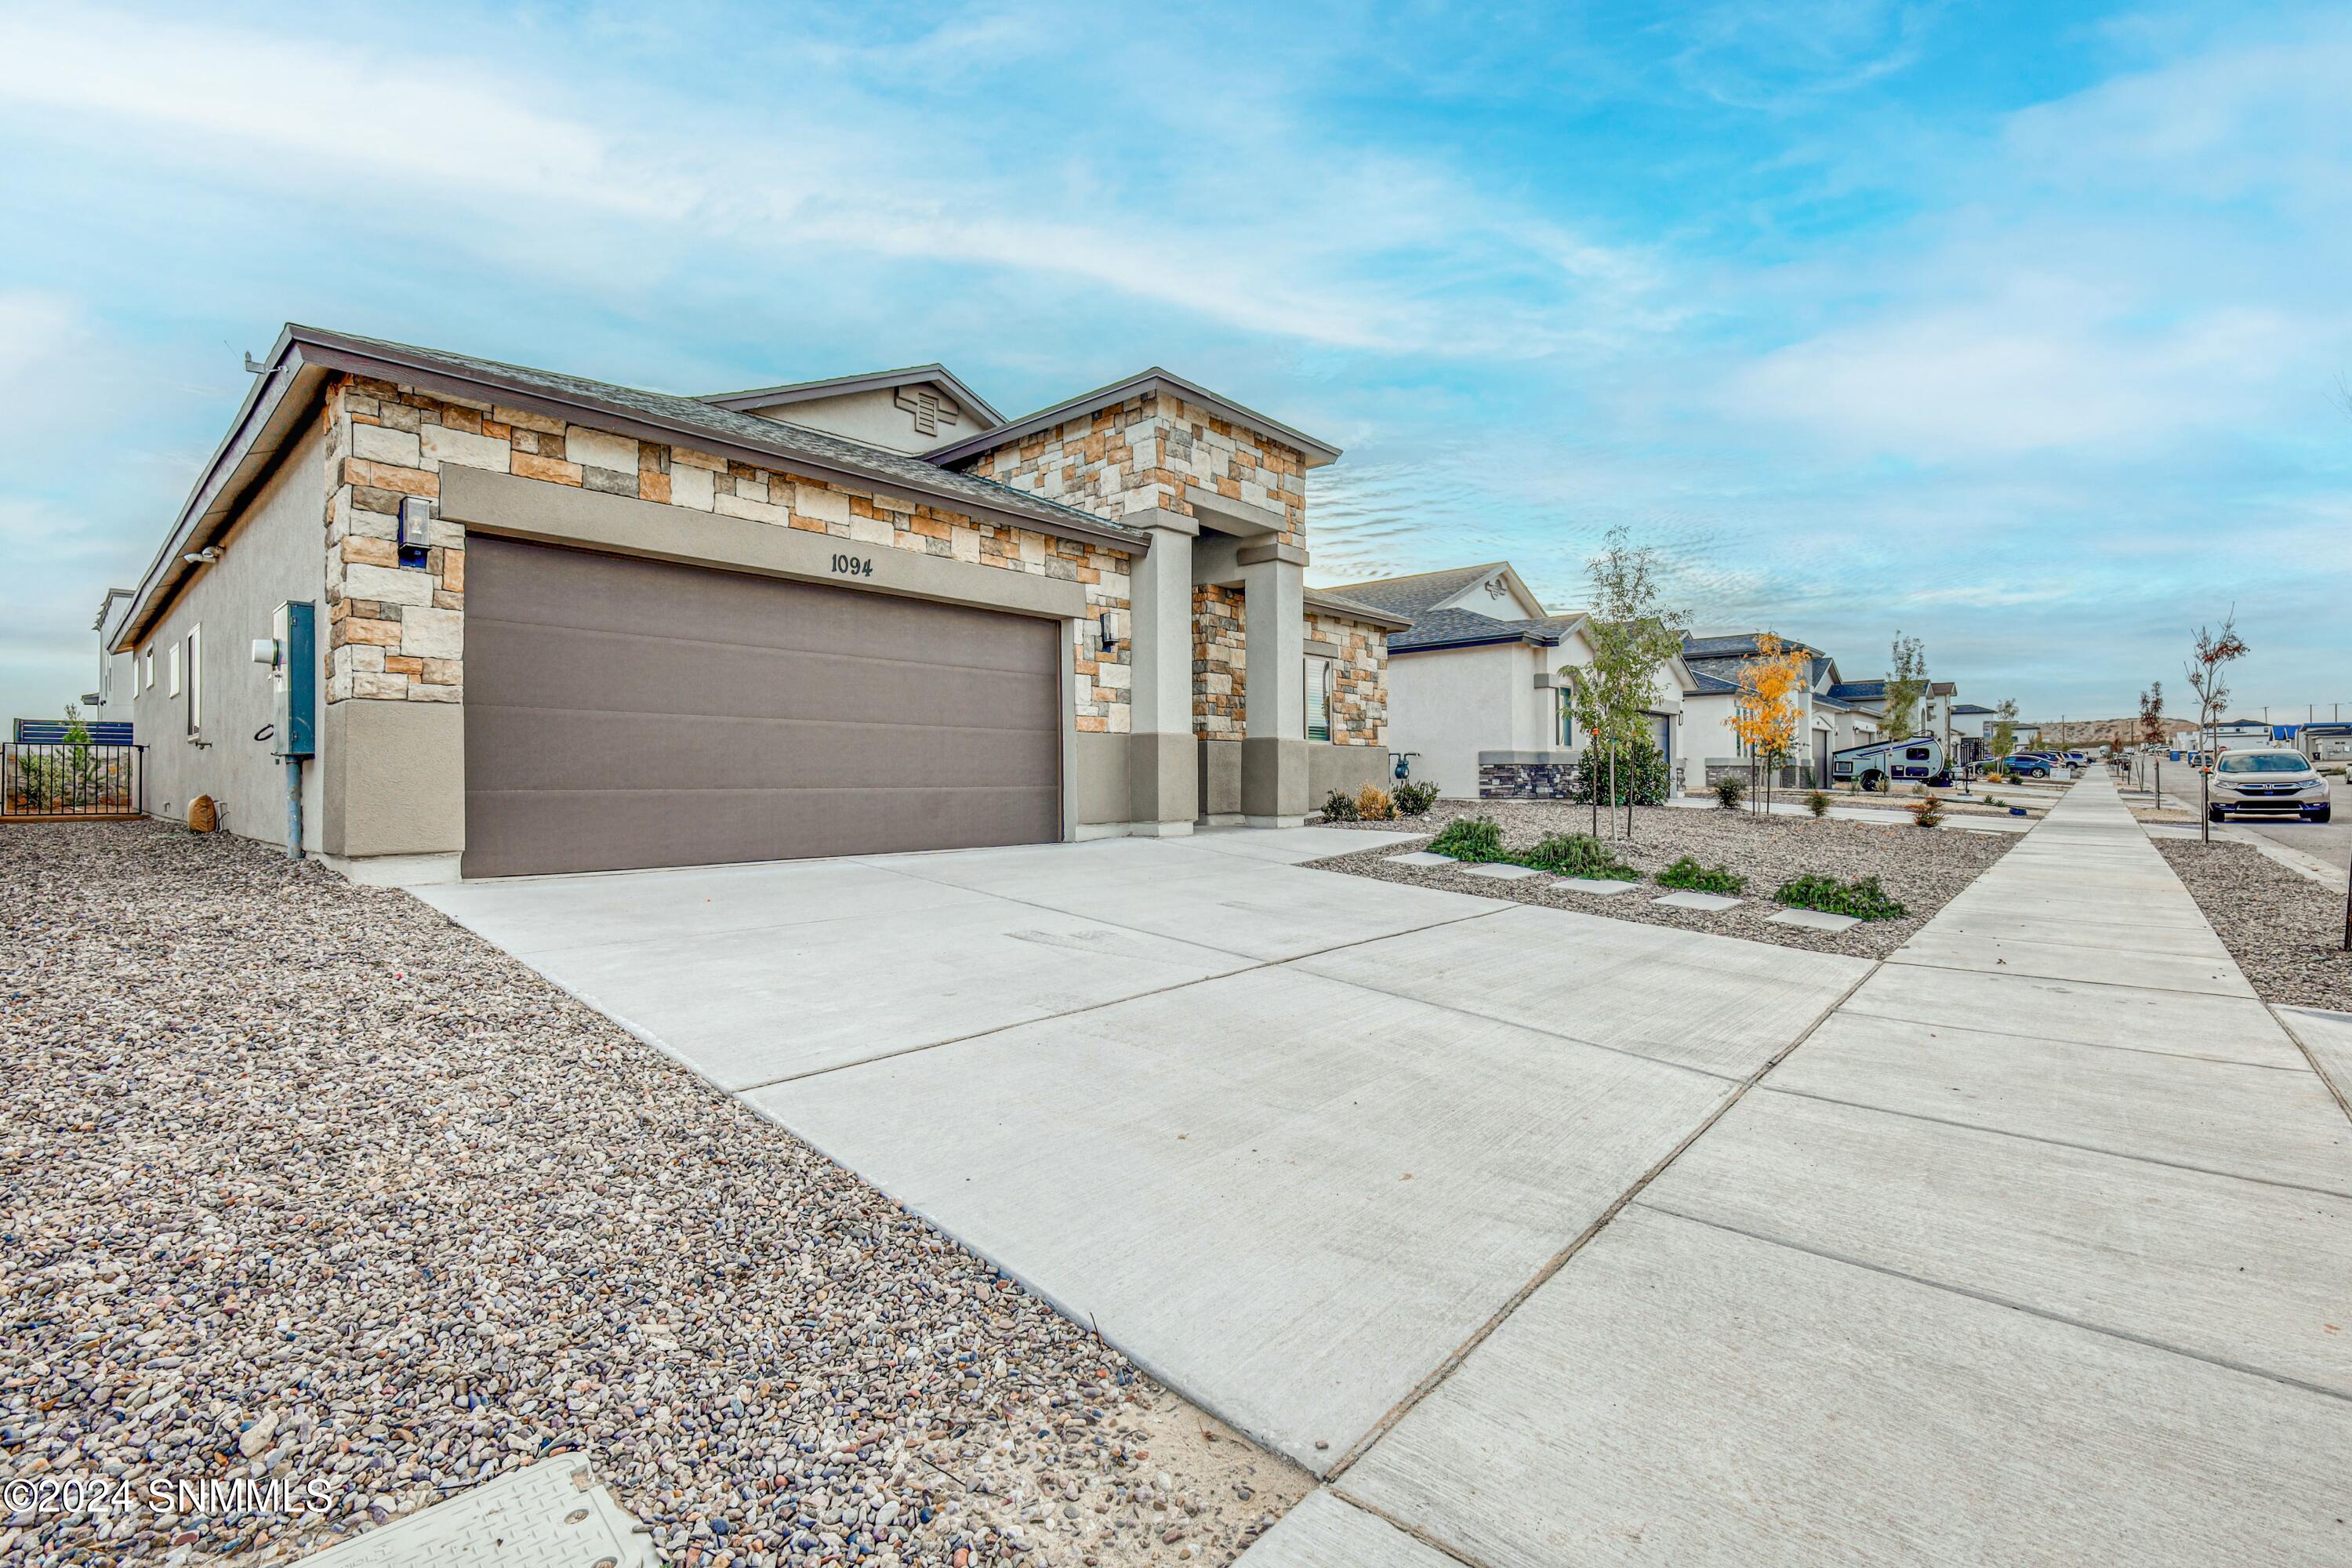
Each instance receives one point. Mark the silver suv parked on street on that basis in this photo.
(2269, 782)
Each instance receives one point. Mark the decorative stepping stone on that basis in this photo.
(1812, 919)
(1599, 887)
(1419, 858)
(1681, 898)
(1501, 872)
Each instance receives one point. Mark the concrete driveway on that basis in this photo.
(1292, 1140)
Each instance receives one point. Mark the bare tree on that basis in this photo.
(2208, 677)
(2151, 726)
(1632, 633)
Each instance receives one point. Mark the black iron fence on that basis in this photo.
(49, 780)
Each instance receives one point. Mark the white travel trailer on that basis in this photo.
(1919, 759)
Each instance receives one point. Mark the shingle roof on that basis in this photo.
(1706, 682)
(1735, 645)
(1461, 628)
(691, 416)
(865, 381)
(1346, 608)
(1409, 596)
(1154, 380)
(1972, 708)
(1859, 690)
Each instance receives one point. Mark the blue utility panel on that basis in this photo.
(295, 678)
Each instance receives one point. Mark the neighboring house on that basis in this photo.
(1968, 729)
(110, 703)
(1482, 679)
(1832, 713)
(570, 625)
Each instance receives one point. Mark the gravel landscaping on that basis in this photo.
(2285, 930)
(1921, 868)
(302, 1180)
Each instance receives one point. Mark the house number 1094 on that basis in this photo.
(854, 566)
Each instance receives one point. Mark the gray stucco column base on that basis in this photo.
(1163, 780)
(1274, 781)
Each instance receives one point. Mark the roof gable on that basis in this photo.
(1421, 590)
(911, 410)
(1143, 383)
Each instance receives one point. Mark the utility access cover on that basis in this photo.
(552, 1514)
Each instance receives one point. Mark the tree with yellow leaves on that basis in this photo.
(1768, 707)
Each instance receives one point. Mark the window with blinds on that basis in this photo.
(1318, 699)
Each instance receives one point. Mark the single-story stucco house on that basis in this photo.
(569, 626)
(1833, 712)
(1482, 682)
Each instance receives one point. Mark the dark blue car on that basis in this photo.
(2025, 765)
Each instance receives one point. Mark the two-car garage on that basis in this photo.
(623, 711)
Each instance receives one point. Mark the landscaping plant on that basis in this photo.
(1414, 799)
(1476, 839)
(1634, 773)
(1579, 855)
(1766, 712)
(1691, 877)
(1907, 683)
(1927, 813)
(2210, 681)
(1632, 635)
(1863, 898)
(1729, 791)
(1373, 803)
(1339, 806)
(1818, 803)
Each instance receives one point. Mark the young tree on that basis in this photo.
(2208, 677)
(1907, 683)
(1766, 712)
(1632, 634)
(2151, 719)
(2004, 727)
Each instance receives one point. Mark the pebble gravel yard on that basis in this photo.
(302, 1180)
(2285, 930)
(1922, 868)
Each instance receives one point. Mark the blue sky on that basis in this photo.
(2019, 327)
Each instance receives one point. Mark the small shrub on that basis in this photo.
(1339, 806)
(1863, 898)
(1691, 877)
(1579, 855)
(1928, 812)
(1818, 803)
(1413, 799)
(1473, 838)
(1729, 791)
(1641, 774)
(1373, 805)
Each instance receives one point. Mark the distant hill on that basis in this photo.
(2089, 732)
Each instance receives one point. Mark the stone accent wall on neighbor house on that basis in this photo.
(397, 633)
(1137, 455)
(1218, 673)
(1360, 699)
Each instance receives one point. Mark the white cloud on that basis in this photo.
(1292, 245)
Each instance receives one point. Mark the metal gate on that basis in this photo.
(70, 781)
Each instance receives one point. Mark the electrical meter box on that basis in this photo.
(295, 677)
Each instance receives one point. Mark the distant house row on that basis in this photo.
(1482, 687)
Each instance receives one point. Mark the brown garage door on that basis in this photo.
(623, 712)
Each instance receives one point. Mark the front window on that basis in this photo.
(2262, 762)
(1319, 680)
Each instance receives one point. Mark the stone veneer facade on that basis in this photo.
(1359, 698)
(1220, 668)
(1138, 454)
(397, 634)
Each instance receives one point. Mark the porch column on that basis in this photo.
(1162, 768)
(1273, 744)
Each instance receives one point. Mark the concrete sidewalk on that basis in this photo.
(2039, 1249)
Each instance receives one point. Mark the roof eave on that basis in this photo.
(369, 360)
(843, 386)
(1316, 453)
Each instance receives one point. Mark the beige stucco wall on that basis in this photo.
(272, 553)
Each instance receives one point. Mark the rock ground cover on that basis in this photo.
(1920, 869)
(300, 1180)
(2285, 930)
